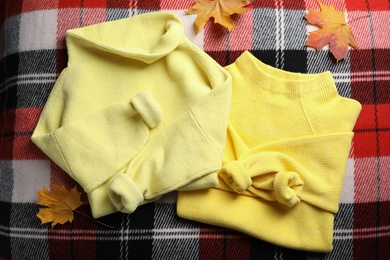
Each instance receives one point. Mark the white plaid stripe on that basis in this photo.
(29, 177)
(38, 30)
(347, 194)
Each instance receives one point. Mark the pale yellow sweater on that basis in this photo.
(139, 111)
(288, 142)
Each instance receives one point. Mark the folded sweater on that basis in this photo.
(289, 138)
(138, 112)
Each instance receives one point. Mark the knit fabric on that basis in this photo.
(288, 142)
(139, 111)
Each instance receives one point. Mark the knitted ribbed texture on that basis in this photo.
(139, 111)
(288, 142)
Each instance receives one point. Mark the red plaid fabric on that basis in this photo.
(33, 54)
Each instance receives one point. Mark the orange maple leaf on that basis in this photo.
(60, 204)
(219, 9)
(333, 31)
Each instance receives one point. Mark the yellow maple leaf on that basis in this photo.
(60, 204)
(333, 31)
(219, 9)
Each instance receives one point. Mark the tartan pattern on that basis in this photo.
(32, 55)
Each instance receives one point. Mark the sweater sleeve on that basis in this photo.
(123, 128)
(310, 169)
(49, 121)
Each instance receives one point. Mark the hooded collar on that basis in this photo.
(147, 37)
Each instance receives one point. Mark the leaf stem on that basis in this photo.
(97, 221)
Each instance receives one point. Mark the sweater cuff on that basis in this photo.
(148, 108)
(125, 194)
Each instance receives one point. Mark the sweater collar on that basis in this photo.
(257, 74)
(145, 37)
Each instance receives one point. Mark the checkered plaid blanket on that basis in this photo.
(33, 53)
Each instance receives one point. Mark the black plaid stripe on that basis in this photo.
(37, 62)
(132, 237)
(141, 223)
(6, 181)
(109, 243)
(174, 238)
(294, 60)
(35, 82)
(8, 91)
(29, 79)
(28, 237)
(5, 239)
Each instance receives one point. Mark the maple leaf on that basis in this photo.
(333, 31)
(60, 204)
(219, 9)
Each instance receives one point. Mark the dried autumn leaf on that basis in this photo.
(219, 9)
(333, 31)
(60, 204)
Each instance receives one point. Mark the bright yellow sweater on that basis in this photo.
(288, 142)
(139, 111)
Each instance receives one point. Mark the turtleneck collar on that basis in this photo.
(162, 31)
(289, 83)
